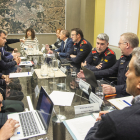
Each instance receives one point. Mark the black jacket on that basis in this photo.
(81, 50)
(118, 69)
(107, 58)
(10, 41)
(117, 125)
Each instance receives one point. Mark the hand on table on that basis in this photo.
(72, 56)
(108, 89)
(99, 66)
(100, 114)
(83, 64)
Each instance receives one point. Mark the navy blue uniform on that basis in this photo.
(81, 50)
(107, 58)
(118, 69)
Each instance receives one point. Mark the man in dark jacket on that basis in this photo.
(6, 65)
(81, 47)
(100, 57)
(122, 124)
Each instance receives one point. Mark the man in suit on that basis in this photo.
(66, 44)
(122, 124)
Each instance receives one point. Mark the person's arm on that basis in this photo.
(84, 51)
(7, 65)
(113, 71)
(11, 41)
(71, 51)
(121, 90)
(108, 62)
(102, 130)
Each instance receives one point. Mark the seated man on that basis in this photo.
(128, 41)
(81, 47)
(122, 124)
(7, 65)
(65, 45)
(102, 57)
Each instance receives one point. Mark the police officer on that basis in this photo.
(127, 42)
(81, 47)
(102, 57)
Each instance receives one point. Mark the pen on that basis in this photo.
(111, 95)
(28, 73)
(126, 102)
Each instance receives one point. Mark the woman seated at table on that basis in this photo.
(30, 40)
(57, 44)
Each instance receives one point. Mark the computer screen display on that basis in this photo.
(44, 107)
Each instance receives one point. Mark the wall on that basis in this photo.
(73, 10)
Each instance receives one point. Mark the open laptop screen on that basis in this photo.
(44, 107)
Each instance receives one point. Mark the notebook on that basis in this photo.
(91, 79)
(35, 122)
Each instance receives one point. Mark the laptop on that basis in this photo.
(36, 122)
(91, 79)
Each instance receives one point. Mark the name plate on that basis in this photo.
(86, 108)
(84, 86)
(95, 99)
(63, 69)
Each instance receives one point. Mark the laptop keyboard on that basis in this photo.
(28, 124)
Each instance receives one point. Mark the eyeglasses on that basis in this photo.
(121, 43)
(73, 34)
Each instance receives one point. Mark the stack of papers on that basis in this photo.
(121, 103)
(79, 127)
(62, 98)
(26, 63)
(20, 74)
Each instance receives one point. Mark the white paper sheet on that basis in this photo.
(21, 74)
(25, 63)
(62, 98)
(23, 58)
(80, 126)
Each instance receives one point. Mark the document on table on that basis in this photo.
(20, 74)
(121, 103)
(62, 98)
(26, 63)
(23, 58)
(79, 127)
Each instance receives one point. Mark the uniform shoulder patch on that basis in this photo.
(122, 56)
(108, 51)
(83, 42)
(93, 51)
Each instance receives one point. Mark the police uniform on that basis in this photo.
(81, 50)
(107, 58)
(118, 69)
